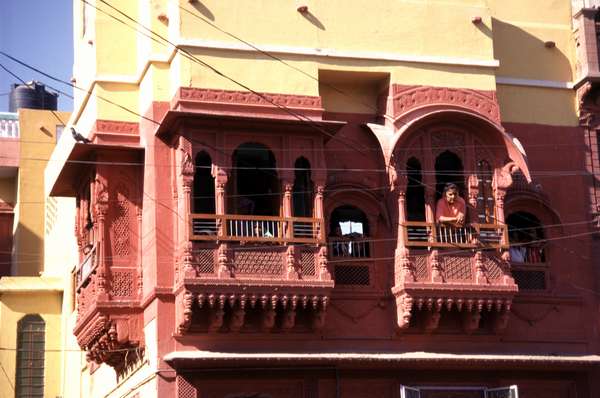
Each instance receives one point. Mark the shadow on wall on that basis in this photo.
(202, 9)
(29, 248)
(524, 55)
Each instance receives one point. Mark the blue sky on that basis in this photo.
(38, 32)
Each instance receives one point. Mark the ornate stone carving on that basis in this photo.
(404, 304)
(186, 303)
(405, 270)
(408, 98)
(248, 98)
(480, 274)
(436, 272)
(322, 261)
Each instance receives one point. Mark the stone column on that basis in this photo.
(187, 179)
(221, 177)
(318, 209)
(287, 208)
(101, 207)
(403, 267)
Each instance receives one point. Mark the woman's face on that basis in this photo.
(451, 195)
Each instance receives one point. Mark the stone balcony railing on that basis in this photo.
(461, 270)
(471, 236)
(249, 271)
(267, 229)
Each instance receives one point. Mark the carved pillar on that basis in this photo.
(318, 209)
(221, 178)
(404, 304)
(101, 211)
(404, 269)
(187, 180)
(287, 207)
(436, 270)
(480, 274)
(473, 192)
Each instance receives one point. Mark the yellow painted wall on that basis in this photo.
(13, 307)
(8, 190)
(38, 139)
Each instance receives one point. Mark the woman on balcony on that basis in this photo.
(451, 208)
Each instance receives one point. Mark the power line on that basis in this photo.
(297, 115)
(28, 85)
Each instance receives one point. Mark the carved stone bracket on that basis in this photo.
(270, 307)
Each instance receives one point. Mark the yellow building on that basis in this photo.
(31, 284)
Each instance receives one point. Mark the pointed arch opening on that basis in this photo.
(255, 183)
(415, 191)
(302, 191)
(203, 199)
(448, 169)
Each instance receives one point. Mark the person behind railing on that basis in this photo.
(340, 245)
(451, 208)
(259, 232)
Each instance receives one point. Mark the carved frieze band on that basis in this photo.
(248, 98)
(407, 98)
(117, 127)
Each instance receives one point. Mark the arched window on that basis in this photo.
(448, 169)
(204, 185)
(256, 187)
(415, 191)
(526, 236)
(349, 228)
(302, 193)
(31, 330)
(485, 198)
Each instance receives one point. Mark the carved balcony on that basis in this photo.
(460, 272)
(255, 273)
(108, 323)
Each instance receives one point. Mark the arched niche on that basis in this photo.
(203, 193)
(254, 185)
(303, 189)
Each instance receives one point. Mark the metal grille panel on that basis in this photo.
(204, 260)
(258, 262)
(421, 271)
(308, 263)
(530, 280)
(352, 275)
(457, 268)
(494, 267)
(30, 357)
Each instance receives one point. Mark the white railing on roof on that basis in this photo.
(9, 125)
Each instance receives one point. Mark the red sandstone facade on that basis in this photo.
(257, 294)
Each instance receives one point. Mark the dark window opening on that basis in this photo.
(302, 193)
(526, 237)
(204, 186)
(448, 169)
(485, 198)
(255, 185)
(415, 191)
(31, 339)
(349, 228)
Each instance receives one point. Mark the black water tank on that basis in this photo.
(32, 95)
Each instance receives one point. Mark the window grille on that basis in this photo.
(530, 280)
(31, 338)
(352, 275)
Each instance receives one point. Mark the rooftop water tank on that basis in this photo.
(32, 95)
